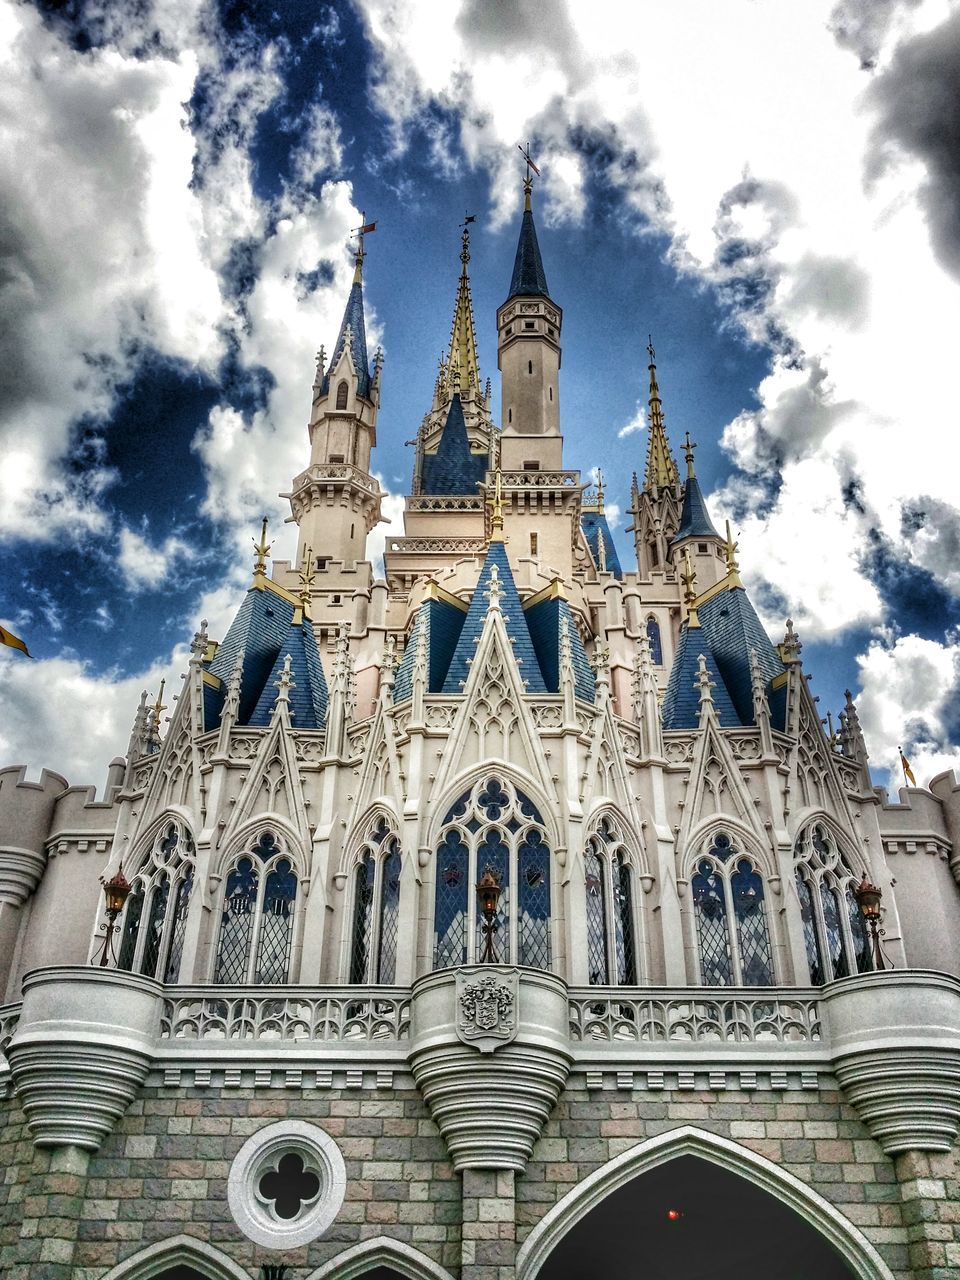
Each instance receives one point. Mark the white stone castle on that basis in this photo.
(512, 916)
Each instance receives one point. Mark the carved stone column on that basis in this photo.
(489, 1052)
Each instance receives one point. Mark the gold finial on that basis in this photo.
(366, 228)
(306, 573)
(262, 549)
(465, 248)
(599, 490)
(689, 579)
(661, 472)
(688, 448)
(158, 706)
(496, 519)
(527, 181)
(730, 553)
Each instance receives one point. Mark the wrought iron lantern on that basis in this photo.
(868, 899)
(488, 895)
(116, 890)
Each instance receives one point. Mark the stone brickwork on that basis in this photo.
(816, 1137)
(930, 1187)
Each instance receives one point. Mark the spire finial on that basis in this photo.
(688, 448)
(465, 247)
(730, 554)
(306, 573)
(494, 590)
(703, 684)
(496, 518)
(790, 646)
(600, 490)
(689, 580)
(200, 643)
(463, 337)
(262, 549)
(153, 717)
(367, 228)
(528, 181)
(661, 470)
(284, 683)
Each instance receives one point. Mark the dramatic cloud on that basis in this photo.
(143, 565)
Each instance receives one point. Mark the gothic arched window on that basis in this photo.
(494, 825)
(342, 392)
(155, 921)
(834, 933)
(656, 646)
(376, 907)
(733, 940)
(611, 946)
(256, 923)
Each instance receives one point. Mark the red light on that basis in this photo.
(673, 1215)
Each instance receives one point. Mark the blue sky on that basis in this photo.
(769, 192)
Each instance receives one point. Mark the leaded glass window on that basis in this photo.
(729, 908)
(493, 825)
(656, 645)
(611, 949)
(376, 907)
(255, 940)
(154, 924)
(835, 934)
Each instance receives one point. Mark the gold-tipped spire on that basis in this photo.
(463, 334)
(365, 228)
(688, 448)
(730, 555)
(159, 706)
(262, 549)
(496, 517)
(689, 579)
(661, 470)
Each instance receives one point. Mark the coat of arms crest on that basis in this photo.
(487, 1008)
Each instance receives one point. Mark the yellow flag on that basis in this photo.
(8, 638)
(907, 771)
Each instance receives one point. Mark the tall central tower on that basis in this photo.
(528, 356)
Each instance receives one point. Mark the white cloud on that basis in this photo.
(392, 509)
(637, 423)
(910, 694)
(144, 565)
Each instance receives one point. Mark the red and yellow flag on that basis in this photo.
(907, 771)
(14, 642)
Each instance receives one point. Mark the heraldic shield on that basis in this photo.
(487, 1001)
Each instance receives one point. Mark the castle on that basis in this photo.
(510, 916)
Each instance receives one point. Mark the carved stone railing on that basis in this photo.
(295, 1014)
(426, 502)
(615, 1016)
(465, 545)
(540, 479)
(334, 471)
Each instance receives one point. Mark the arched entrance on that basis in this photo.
(690, 1219)
(181, 1273)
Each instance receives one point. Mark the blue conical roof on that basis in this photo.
(681, 702)
(514, 620)
(308, 696)
(352, 320)
(453, 469)
(259, 627)
(529, 278)
(733, 630)
(595, 528)
(695, 519)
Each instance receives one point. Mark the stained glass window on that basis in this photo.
(733, 935)
(362, 917)
(834, 930)
(276, 924)
(596, 917)
(493, 825)
(236, 924)
(389, 914)
(756, 956)
(155, 920)
(376, 907)
(611, 950)
(713, 935)
(656, 646)
(623, 921)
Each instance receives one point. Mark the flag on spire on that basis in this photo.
(908, 775)
(13, 642)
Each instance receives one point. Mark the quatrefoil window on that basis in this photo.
(290, 1186)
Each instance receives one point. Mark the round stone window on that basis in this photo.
(286, 1184)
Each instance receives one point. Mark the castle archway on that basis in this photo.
(690, 1203)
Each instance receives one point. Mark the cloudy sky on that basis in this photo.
(771, 189)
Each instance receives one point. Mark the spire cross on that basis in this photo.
(688, 448)
(262, 549)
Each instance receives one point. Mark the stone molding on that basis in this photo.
(381, 1251)
(82, 1050)
(20, 873)
(895, 1047)
(490, 1106)
(182, 1250)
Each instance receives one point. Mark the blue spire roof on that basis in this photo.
(352, 320)
(529, 278)
(513, 617)
(595, 527)
(544, 619)
(681, 703)
(695, 519)
(308, 699)
(262, 621)
(453, 469)
(443, 623)
(732, 627)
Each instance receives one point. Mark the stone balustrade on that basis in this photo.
(618, 1016)
(316, 1014)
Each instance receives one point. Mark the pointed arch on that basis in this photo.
(381, 1251)
(359, 829)
(262, 882)
(703, 833)
(632, 839)
(441, 803)
(170, 813)
(805, 818)
(850, 1243)
(249, 831)
(184, 1251)
(161, 874)
(613, 865)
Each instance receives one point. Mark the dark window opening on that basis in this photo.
(335, 599)
(534, 540)
(551, 393)
(342, 392)
(529, 366)
(702, 548)
(528, 324)
(337, 457)
(322, 561)
(509, 415)
(531, 466)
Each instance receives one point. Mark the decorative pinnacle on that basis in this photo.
(262, 549)
(689, 579)
(389, 660)
(730, 553)
(599, 490)
(661, 472)
(688, 448)
(494, 591)
(284, 682)
(200, 641)
(321, 362)
(790, 646)
(306, 573)
(159, 706)
(703, 683)
(496, 519)
(231, 703)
